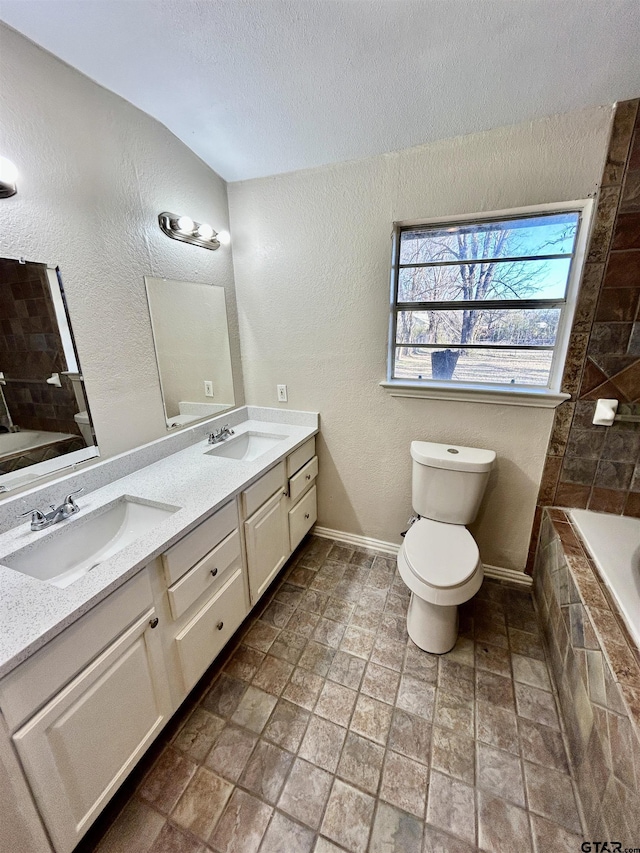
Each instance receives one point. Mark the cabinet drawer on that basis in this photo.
(208, 574)
(300, 481)
(263, 489)
(301, 456)
(302, 518)
(31, 684)
(193, 547)
(212, 626)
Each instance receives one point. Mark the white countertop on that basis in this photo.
(32, 611)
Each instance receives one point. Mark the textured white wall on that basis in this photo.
(95, 172)
(312, 258)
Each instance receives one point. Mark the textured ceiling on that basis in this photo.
(257, 87)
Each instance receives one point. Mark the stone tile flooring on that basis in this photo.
(327, 729)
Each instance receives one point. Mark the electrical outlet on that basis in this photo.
(208, 388)
(282, 393)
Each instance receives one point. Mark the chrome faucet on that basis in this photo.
(41, 520)
(217, 436)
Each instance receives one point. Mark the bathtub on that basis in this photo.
(28, 439)
(614, 543)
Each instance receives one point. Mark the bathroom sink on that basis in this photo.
(246, 447)
(74, 548)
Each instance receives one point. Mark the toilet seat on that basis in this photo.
(443, 556)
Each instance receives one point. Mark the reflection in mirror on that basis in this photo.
(45, 423)
(191, 337)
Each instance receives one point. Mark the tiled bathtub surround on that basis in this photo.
(597, 670)
(40, 454)
(327, 730)
(31, 349)
(590, 466)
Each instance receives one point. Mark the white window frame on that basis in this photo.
(523, 395)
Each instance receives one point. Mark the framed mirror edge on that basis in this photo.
(21, 480)
(176, 424)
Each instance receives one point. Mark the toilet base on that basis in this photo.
(432, 627)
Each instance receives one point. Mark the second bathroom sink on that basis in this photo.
(247, 446)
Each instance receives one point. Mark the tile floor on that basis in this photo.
(326, 729)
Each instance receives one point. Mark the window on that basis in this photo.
(486, 302)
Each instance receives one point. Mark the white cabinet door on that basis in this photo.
(267, 541)
(78, 749)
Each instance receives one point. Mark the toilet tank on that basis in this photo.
(448, 481)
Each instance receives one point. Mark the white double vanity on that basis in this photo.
(110, 617)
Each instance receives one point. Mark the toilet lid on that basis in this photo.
(442, 555)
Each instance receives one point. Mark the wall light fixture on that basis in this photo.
(8, 178)
(199, 233)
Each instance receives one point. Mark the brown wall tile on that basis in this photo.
(621, 134)
(618, 304)
(588, 296)
(628, 382)
(607, 500)
(634, 154)
(574, 363)
(632, 505)
(549, 480)
(607, 339)
(627, 231)
(561, 427)
(623, 269)
(578, 470)
(602, 231)
(614, 475)
(630, 200)
(586, 466)
(573, 495)
(592, 377)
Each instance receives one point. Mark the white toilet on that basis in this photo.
(84, 425)
(439, 560)
(82, 416)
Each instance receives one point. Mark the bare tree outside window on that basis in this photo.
(481, 301)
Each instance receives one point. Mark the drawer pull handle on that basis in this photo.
(308, 476)
(306, 515)
(154, 622)
(220, 626)
(214, 572)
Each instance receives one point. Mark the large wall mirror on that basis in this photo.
(45, 423)
(191, 338)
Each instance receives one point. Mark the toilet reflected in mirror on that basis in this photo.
(191, 339)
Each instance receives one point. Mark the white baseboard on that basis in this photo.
(495, 572)
(354, 539)
(510, 575)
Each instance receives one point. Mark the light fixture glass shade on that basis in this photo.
(185, 224)
(8, 178)
(224, 238)
(205, 231)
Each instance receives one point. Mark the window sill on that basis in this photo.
(538, 398)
